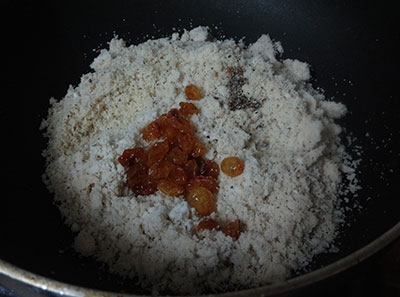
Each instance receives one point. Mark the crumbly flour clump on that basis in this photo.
(255, 106)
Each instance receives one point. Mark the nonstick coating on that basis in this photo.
(352, 47)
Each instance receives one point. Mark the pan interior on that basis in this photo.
(351, 48)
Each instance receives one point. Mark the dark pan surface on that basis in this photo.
(351, 45)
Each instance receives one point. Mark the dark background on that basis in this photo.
(352, 46)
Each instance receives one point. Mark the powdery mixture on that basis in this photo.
(286, 198)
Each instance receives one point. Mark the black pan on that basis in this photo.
(351, 45)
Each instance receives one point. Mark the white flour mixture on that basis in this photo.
(256, 107)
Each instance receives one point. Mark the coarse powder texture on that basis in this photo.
(272, 119)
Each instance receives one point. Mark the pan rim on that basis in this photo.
(354, 258)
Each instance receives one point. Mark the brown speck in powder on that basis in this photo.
(237, 100)
(90, 188)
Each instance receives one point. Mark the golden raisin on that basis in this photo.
(202, 200)
(210, 169)
(207, 224)
(188, 109)
(174, 113)
(198, 150)
(160, 170)
(143, 187)
(167, 130)
(232, 229)
(138, 181)
(232, 166)
(151, 132)
(132, 156)
(170, 188)
(191, 168)
(193, 92)
(137, 170)
(186, 142)
(157, 152)
(177, 156)
(178, 176)
(207, 182)
(181, 124)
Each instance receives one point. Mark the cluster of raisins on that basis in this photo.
(174, 164)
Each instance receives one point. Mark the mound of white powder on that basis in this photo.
(272, 119)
